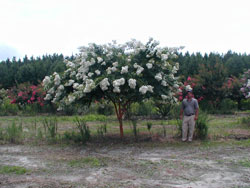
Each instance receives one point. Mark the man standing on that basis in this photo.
(190, 108)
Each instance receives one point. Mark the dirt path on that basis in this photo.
(182, 166)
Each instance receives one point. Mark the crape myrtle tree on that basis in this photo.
(119, 73)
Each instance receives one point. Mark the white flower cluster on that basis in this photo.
(144, 89)
(149, 65)
(104, 84)
(124, 69)
(132, 83)
(90, 84)
(139, 68)
(188, 88)
(57, 79)
(117, 83)
(158, 76)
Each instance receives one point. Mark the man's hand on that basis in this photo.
(195, 118)
(181, 117)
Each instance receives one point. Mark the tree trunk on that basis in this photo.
(119, 114)
(239, 104)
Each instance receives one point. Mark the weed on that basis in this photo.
(164, 129)
(72, 136)
(179, 127)
(149, 126)
(50, 127)
(12, 170)
(39, 134)
(201, 126)
(102, 129)
(135, 130)
(84, 129)
(1, 133)
(14, 133)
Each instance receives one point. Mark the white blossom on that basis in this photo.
(48, 97)
(104, 84)
(71, 98)
(116, 90)
(149, 65)
(124, 69)
(60, 108)
(163, 83)
(143, 90)
(175, 69)
(114, 69)
(248, 83)
(92, 60)
(188, 88)
(150, 88)
(69, 83)
(90, 74)
(58, 94)
(70, 64)
(73, 74)
(46, 81)
(164, 57)
(51, 90)
(57, 79)
(54, 100)
(139, 70)
(75, 85)
(151, 61)
(118, 82)
(90, 84)
(164, 97)
(61, 87)
(136, 65)
(176, 86)
(99, 59)
(115, 64)
(97, 72)
(103, 63)
(158, 76)
(109, 69)
(132, 83)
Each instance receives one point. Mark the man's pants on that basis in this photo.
(188, 126)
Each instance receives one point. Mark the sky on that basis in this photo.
(40, 27)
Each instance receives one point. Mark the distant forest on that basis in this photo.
(33, 70)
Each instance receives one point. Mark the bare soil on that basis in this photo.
(151, 164)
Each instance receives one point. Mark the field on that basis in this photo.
(155, 158)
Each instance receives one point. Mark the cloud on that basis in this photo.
(7, 52)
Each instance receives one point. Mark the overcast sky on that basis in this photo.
(38, 27)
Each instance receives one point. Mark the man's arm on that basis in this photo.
(196, 114)
(196, 110)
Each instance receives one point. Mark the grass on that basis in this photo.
(12, 170)
(244, 163)
(86, 162)
(220, 127)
